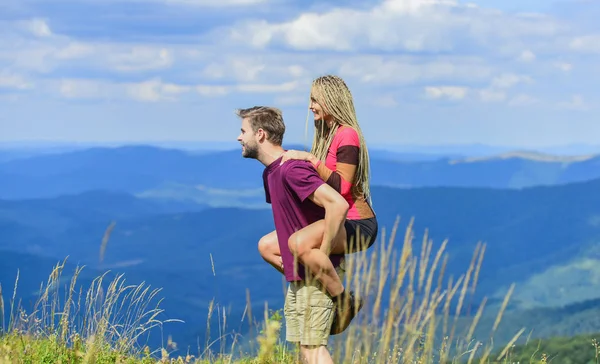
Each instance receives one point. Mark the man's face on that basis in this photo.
(248, 140)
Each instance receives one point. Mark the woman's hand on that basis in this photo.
(297, 155)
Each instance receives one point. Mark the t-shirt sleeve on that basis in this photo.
(302, 179)
(346, 149)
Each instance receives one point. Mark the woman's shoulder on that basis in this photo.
(347, 135)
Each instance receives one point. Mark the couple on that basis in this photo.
(320, 208)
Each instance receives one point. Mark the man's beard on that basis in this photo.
(250, 151)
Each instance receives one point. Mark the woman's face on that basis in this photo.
(317, 109)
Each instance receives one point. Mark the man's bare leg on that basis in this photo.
(315, 355)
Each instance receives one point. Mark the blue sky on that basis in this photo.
(499, 72)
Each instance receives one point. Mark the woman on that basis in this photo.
(341, 158)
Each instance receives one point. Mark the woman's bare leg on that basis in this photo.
(306, 243)
(268, 248)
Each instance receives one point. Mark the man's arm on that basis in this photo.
(336, 209)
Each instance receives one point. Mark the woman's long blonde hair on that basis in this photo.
(332, 93)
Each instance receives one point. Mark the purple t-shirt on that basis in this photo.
(287, 188)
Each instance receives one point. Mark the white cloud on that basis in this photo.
(415, 25)
(74, 50)
(407, 70)
(155, 90)
(185, 3)
(242, 69)
(508, 80)
(41, 50)
(576, 102)
(86, 89)
(586, 44)
(291, 100)
(260, 88)
(523, 100)
(497, 90)
(216, 3)
(449, 92)
(564, 66)
(140, 58)
(209, 90)
(269, 88)
(385, 101)
(490, 95)
(13, 81)
(37, 27)
(394, 54)
(527, 56)
(54, 51)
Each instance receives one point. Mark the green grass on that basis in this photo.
(420, 322)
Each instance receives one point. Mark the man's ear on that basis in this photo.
(261, 134)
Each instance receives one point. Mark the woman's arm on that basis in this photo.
(346, 149)
(347, 157)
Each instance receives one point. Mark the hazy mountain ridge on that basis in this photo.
(155, 171)
(525, 235)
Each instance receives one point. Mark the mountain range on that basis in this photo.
(168, 172)
(189, 223)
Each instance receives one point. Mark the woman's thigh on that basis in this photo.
(311, 237)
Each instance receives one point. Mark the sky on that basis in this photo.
(422, 72)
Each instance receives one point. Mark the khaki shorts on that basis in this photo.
(308, 312)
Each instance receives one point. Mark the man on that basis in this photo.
(299, 198)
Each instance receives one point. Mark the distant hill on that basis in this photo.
(186, 176)
(533, 156)
(514, 170)
(573, 320)
(544, 238)
(125, 169)
(541, 237)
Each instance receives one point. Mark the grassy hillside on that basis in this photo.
(580, 349)
(112, 324)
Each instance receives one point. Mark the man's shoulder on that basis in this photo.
(292, 163)
(301, 177)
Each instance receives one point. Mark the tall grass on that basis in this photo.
(412, 312)
(410, 316)
(109, 317)
(422, 308)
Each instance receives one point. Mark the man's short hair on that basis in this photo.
(269, 119)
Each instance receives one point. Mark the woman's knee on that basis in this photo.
(298, 246)
(268, 244)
